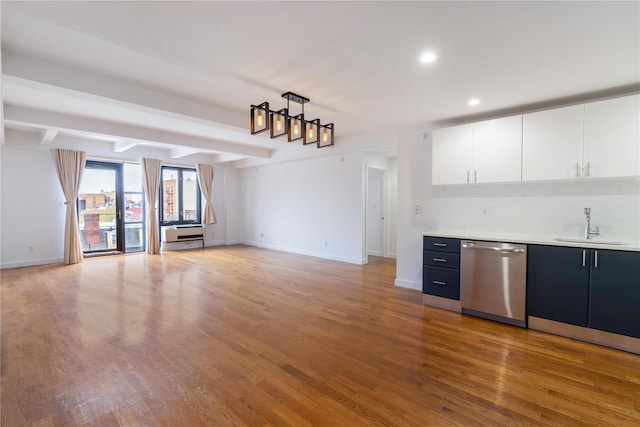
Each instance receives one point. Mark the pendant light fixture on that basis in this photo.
(296, 127)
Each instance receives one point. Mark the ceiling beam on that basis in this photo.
(23, 116)
(48, 136)
(122, 146)
(180, 152)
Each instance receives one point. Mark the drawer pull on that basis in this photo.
(438, 282)
(439, 260)
(441, 245)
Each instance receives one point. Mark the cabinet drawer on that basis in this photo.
(441, 259)
(442, 244)
(442, 282)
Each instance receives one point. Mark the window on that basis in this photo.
(179, 196)
(134, 208)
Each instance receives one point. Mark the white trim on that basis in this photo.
(408, 284)
(31, 263)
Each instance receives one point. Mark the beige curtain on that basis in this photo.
(151, 169)
(70, 166)
(205, 179)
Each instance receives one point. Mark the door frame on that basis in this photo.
(384, 210)
(119, 196)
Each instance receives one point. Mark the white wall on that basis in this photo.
(233, 210)
(313, 207)
(553, 209)
(33, 209)
(414, 188)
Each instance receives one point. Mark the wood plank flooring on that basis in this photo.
(245, 336)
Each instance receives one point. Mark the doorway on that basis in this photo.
(111, 208)
(376, 213)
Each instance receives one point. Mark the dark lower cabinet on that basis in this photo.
(594, 288)
(615, 292)
(441, 267)
(558, 284)
(441, 282)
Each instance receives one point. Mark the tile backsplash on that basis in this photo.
(541, 208)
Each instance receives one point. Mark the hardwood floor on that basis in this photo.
(245, 336)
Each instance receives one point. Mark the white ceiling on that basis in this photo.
(180, 76)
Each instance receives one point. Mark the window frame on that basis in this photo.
(180, 200)
(143, 201)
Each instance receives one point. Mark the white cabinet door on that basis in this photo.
(612, 137)
(497, 150)
(552, 144)
(452, 151)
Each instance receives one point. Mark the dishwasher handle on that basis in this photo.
(470, 245)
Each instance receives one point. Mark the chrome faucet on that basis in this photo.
(588, 231)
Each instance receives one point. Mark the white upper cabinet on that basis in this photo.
(612, 137)
(482, 152)
(552, 142)
(497, 150)
(452, 154)
(595, 140)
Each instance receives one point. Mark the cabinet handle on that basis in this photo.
(588, 169)
(595, 261)
(442, 245)
(577, 170)
(437, 282)
(584, 258)
(475, 176)
(467, 177)
(439, 260)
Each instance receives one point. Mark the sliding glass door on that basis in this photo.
(111, 208)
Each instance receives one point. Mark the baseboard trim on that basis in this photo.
(31, 263)
(408, 284)
(594, 336)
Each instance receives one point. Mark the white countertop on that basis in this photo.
(626, 245)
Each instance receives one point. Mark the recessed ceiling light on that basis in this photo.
(474, 101)
(427, 57)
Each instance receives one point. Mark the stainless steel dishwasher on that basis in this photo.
(493, 281)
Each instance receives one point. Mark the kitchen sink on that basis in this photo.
(590, 241)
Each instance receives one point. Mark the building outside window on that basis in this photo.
(179, 196)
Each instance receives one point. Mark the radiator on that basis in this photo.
(180, 234)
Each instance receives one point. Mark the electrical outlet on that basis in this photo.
(418, 209)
